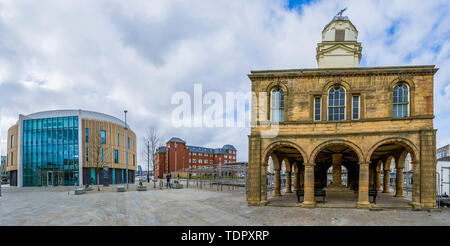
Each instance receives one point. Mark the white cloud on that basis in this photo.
(108, 56)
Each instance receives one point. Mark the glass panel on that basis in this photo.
(49, 151)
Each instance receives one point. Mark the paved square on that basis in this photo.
(185, 207)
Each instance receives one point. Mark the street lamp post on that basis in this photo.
(175, 159)
(148, 161)
(126, 146)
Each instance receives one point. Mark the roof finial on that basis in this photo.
(339, 14)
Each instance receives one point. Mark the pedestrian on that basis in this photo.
(168, 180)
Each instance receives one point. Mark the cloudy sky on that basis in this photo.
(108, 56)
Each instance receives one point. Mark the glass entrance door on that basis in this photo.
(49, 178)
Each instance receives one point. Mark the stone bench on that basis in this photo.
(88, 188)
(141, 188)
(176, 186)
(121, 189)
(79, 191)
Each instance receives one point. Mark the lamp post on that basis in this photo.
(126, 147)
(148, 161)
(175, 159)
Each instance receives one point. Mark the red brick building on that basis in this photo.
(176, 156)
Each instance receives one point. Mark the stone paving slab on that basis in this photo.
(186, 207)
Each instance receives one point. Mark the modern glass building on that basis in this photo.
(69, 147)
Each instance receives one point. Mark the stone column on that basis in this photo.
(363, 190)
(264, 181)
(378, 176)
(296, 171)
(288, 178)
(308, 201)
(416, 184)
(254, 171)
(399, 182)
(337, 169)
(277, 180)
(386, 179)
(301, 179)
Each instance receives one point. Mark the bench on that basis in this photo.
(373, 193)
(79, 191)
(120, 189)
(321, 193)
(141, 188)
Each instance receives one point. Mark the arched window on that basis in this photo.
(277, 105)
(336, 103)
(401, 101)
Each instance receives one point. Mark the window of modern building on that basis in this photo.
(116, 156)
(277, 105)
(50, 151)
(12, 141)
(103, 136)
(316, 109)
(118, 139)
(103, 155)
(87, 153)
(355, 108)
(336, 103)
(400, 101)
(134, 160)
(128, 142)
(12, 158)
(87, 135)
(200, 161)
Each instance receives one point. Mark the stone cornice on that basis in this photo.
(334, 135)
(417, 117)
(328, 72)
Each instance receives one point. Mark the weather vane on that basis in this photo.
(340, 12)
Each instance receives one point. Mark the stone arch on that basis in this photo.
(407, 144)
(273, 146)
(336, 82)
(277, 84)
(321, 146)
(397, 80)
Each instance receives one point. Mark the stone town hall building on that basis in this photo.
(340, 114)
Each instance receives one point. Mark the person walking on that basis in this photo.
(168, 180)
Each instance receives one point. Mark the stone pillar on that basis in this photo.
(399, 182)
(254, 171)
(416, 184)
(386, 179)
(378, 176)
(264, 181)
(337, 169)
(308, 201)
(363, 190)
(288, 178)
(277, 185)
(427, 182)
(301, 180)
(296, 181)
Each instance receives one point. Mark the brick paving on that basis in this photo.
(57, 206)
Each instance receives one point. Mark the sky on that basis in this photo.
(111, 55)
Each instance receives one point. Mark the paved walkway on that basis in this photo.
(190, 207)
(384, 200)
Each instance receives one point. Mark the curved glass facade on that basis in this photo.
(50, 151)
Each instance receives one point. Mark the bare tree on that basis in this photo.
(151, 143)
(100, 152)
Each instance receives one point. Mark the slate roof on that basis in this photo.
(176, 140)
